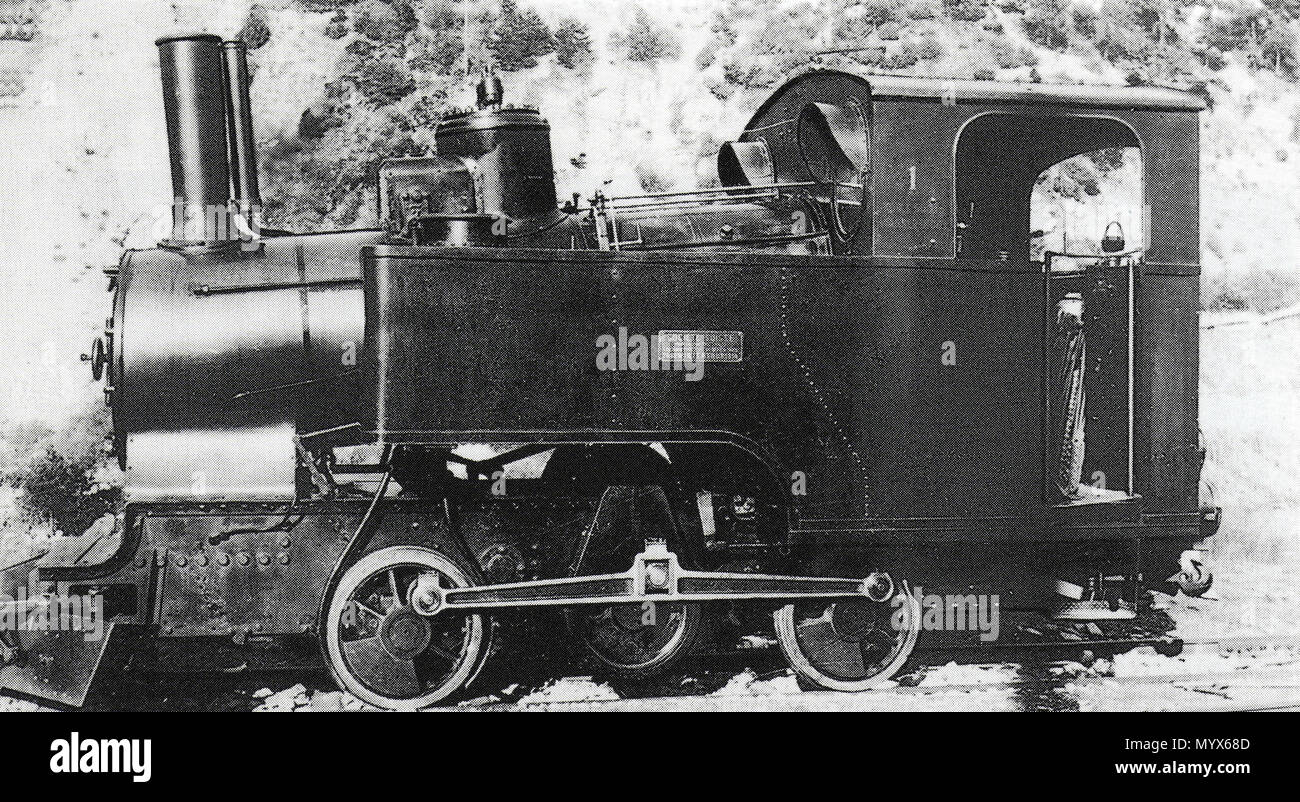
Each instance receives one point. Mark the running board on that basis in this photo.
(655, 576)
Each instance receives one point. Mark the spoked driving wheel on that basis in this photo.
(633, 640)
(849, 645)
(383, 650)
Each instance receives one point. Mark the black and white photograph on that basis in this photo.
(878, 356)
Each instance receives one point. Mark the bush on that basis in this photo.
(707, 55)
(1278, 49)
(386, 22)
(724, 35)
(1085, 22)
(1009, 56)
(68, 483)
(382, 81)
(338, 25)
(360, 50)
(256, 31)
(443, 16)
(645, 42)
(1261, 289)
(311, 126)
(1045, 24)
(927, 50)
(878, 12)
(1202, 90)
(1212, 57)
(922, 10)
(438, 53)
(902, 58)
(1237, 31)
(518, 37)
(572, 43)
(753, 76)
(965, 10)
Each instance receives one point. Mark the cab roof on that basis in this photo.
(897, 87)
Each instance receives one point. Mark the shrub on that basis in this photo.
(1237, 31)
(443, 16)
(1212, 57)
(723, 32)
(878, 12)
(707, 55)
(927, 50)
(645, 42)
(1045, 24)
(360, 49)
(382, 81)
(68, 482)
(310, 126)
(1202, 90)
(870, 56)
(965, 10)
(385, 22)
(1009, 56)
(750, 77)
(519, 37)
(1278, 49)
(438, 54)
(256, 31)
(1107, 159)
(902, 58)
(572, 43)
(338, 25)
(922, 10)
(1261, 289)
(1085, 22)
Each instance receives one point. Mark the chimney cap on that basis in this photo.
(179, 37)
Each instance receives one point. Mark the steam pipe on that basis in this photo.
(244, 189)
(194, 101)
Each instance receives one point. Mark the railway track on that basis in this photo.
(1046, 676)
(1036, 680)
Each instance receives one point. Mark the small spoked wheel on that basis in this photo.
(383, 650)
(635, 641)
(849, 645)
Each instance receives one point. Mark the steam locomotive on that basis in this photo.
(778, 405)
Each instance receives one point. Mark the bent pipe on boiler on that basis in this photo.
(244, 189)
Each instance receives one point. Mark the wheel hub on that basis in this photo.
(405, 633)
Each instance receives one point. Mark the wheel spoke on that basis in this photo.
(377, 616)
(392, 677)
(443, 653)
(392, 584)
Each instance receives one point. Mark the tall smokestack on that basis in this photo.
(194, 100)
(239, 110)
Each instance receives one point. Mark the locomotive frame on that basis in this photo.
(877, 407)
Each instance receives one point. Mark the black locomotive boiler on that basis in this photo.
(782, 403)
